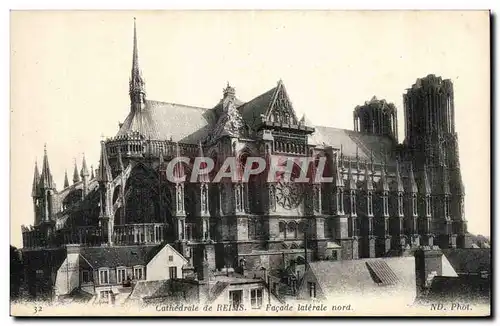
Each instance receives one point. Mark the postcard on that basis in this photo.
(250, 163)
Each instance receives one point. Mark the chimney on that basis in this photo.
(428, 263)
(203, 273)
(72, 249)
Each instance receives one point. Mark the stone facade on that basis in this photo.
(384, 197)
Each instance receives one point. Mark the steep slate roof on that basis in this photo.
(472, 260)
(144, 289)
(189, 124)
(464, 288)
(252, 110)
(350, 141)
(360, 276)
(216, 290)
(119, 256)
(162, 121)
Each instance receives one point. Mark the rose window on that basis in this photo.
(288, 195)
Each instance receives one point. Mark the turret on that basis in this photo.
(120, 167)
(76, 176)
(397, 210)
(229, 92)
(66, 182)
(376, 117)
(399, 187)
(425, 193)
(47, 188)
(203, 181)
(412, 185)
(35, 193)
(85, 172)
(383, 192)
(180, 212)
(368, 184)
(339, 186)
(46, 179)
(382, 227)
(85, 176)
(367, 227)
(104, 178)
(36, 182)
(104, 172)
(383, 184)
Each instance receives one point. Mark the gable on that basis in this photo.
(310, 277)
(281, 109)
(158, 266)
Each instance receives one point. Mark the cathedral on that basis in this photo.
(387, 196)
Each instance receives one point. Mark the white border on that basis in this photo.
(185, 4)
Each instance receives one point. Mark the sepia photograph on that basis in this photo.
(250, 163)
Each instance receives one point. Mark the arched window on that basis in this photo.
(414, 205)
(400, 205)
(353, 203)
(282, 227)
(340, 201)
(369, 203)
(385, 202)
(292, 230)
(428, 205)
(302, 229)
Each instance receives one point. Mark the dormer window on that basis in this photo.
(139, 273)
(121, 275)
(104, 276)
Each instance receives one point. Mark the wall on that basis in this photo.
(158, 267)
(68, 275)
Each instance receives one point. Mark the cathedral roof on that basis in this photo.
(352, 141)
(164, 121)
(252, 110)
(190, 125)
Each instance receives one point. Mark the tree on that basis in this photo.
(16, 272)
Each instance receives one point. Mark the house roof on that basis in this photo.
(470, 260)
(113, 257)
(364, 275)
(464, 288)
(216, 290)
(145, 289)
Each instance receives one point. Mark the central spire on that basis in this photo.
(137, 90)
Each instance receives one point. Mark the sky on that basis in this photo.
(70, 72)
